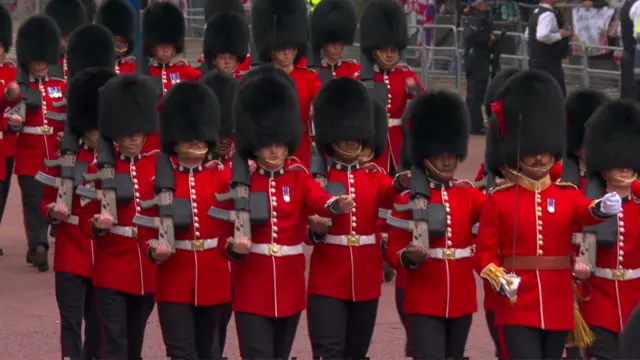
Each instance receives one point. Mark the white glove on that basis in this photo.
(611, 204)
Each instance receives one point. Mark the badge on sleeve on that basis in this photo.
(551, 205)
(54, 92)
(175, 78)
(285, 194)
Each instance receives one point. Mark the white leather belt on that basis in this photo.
(276, 250)
(451, 254)
(73, 220)
(611, 274)
(395, 122)
(196, 245)
(126, 231)
(350, 240)
(0, 135)
(37, 130)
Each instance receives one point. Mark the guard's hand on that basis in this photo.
(416, 252)
(319, 224)
(160, 252)
(58, 211)
(103, 221)
(12, 91)
(213, 165)
(581, 271)
(404, 179)
(412, 84)
(611, 204)
(345, 203)
(564, 33)
(252, 166)
(241, 246)
(15, 120)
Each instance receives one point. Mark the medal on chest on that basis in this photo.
(551, 205)
(54, 92)
(175, 78)
(286, 195)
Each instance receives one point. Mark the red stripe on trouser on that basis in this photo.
(503, 344)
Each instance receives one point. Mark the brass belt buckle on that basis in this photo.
(275, 250)
(618, 274)
(449, 254)
(134, 231)
(353, 240)
(47, 130)
(197, 245)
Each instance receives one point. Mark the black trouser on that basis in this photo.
(340, 329)
(403, 320)
(552, 67)
(477, 72)
(123, 318)
(76, 301)
(493, 331)
(220, 338)
(188, 331)
(35, 224)
(438, 338)
(524, 343)
(573, 352)
(266, 338)
(606, 345)
(627, 74)
(5, 186)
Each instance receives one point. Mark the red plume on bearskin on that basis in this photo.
(225, 87)
(38, 39)
(613, 137)
(83, 98)
(580, 105)
(213, 7)
(333, 21)
(383, 24)
(342, 111)
(162, 23)
(89, 46)
(6, 29)
(267, 111)
(279, 24)
(120, 18)
(68, 14)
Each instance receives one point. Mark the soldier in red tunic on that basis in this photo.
(612, 135)
(440, 279)
(333, 25)
(124, 277)
(120, 18)
(226, 42)
(281, 36)
(38, 47)
(225, 88)
(536, 312)
(383, 37)
(73, 260)
(189, 306)
(90, 45)
(269, 286)
(68, 15)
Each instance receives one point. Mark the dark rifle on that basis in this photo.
(377, 90)
(165, 187)
(247, 206)
(31, 98)
(106, 174)
(318, 169)
(420, 195)
(315, 63)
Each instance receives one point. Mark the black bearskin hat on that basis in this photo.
(381, 129)
(279, 24)
(6, 29)
(333, 21)
(190, 111)
(68, 14)
(162, 23)
(612, 137)
(383, 24)
(493, 156)
(83, 97)
(225, 87)
(342, 111)
(90, 46)
(266, 111)
(120, 18)
(38, 40)
(405, 159)
(436, 122)
(213, 7)
(532, 118)
(226, 33)
(580, 105)
(135, 109)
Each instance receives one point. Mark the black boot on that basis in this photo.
(40, 258)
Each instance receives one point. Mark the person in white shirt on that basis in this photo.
(629, 23)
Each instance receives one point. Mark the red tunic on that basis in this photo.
(353, 271)
(197, 277)
(74, 247)
(442, 287)
(344, 68)
(8, 140)
(308, 84)
(120, 262)
(612, 301)
(546, 218)
(125, 65)
(274, 286)
(39, 137)
(240, 70)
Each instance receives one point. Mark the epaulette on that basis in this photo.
(404, 67)
(9, 64)
(129, 60)
(373, 167)
(297, 167)
(565, 184)
(181, 62)
(57, 79)
(350, 61)
(636, 199)
(501, 187)
(464, 183)
(152, 152)
(406, 192)
(306, 69)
